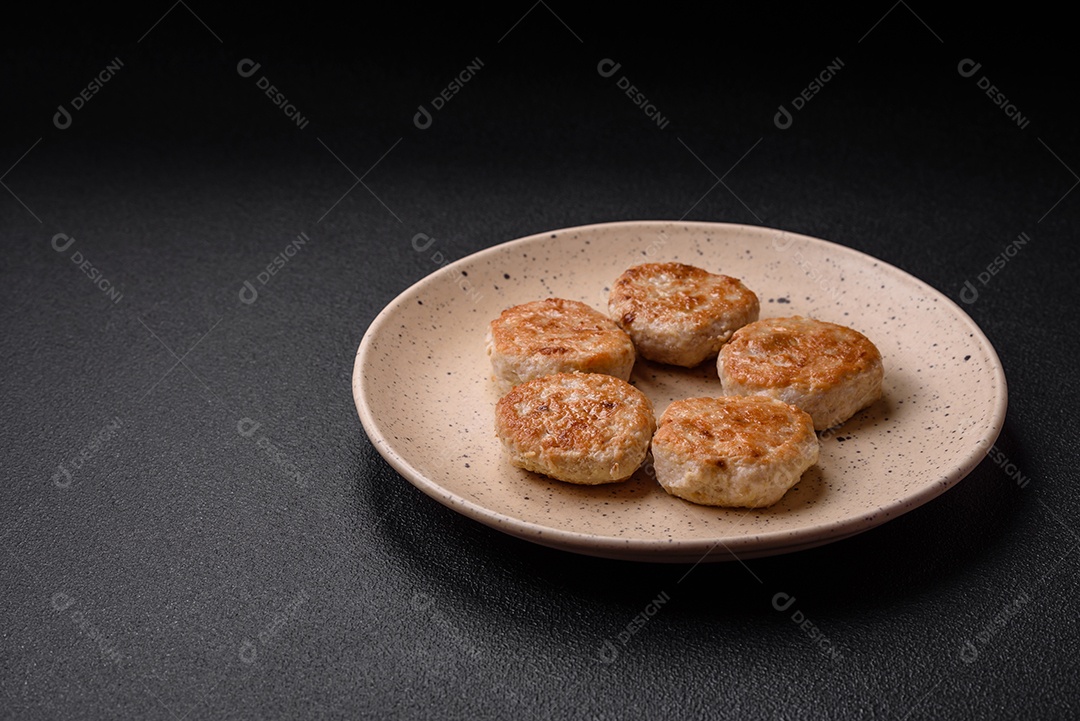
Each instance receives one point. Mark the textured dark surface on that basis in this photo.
(185, 570)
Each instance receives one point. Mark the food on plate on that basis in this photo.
(556, 335)
(680, 314)
(585, 428)
(744, 451)
(828, 370)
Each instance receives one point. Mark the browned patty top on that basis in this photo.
(675, 293)
(751, 430)
(557, 327)
(800, 351)
(576, 412)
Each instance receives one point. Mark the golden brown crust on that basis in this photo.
(675, 293)
(801, 352)
(746, 430)
(556, 326)
(578, 427)
(557, 335)
(678, 313)
(744, 451)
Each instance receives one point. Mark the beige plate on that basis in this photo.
(423, 391)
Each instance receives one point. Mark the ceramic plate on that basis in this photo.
(423, 391)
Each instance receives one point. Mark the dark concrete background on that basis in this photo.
(179, 570)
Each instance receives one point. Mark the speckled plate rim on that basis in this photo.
(743, 546)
